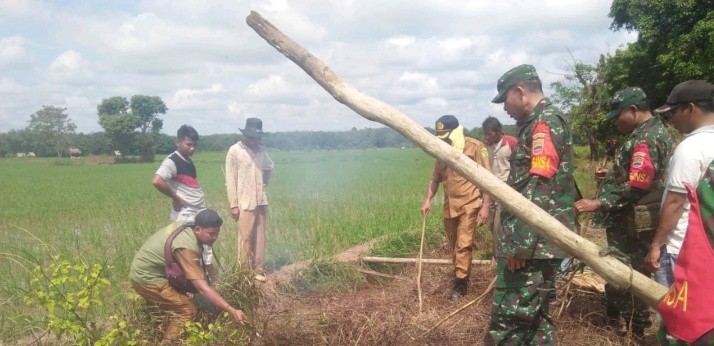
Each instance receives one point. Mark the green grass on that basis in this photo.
(321, 203)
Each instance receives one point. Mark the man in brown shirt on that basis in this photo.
(462, 200)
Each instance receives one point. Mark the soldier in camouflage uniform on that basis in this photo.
(541, 170)
(638, 170)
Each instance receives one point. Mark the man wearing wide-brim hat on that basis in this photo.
(248, 172)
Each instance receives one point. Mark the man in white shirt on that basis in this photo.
(691, 110)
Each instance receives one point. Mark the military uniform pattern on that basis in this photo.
(555, 195)
(616, 196)
(520, 314)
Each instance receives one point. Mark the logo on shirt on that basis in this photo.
(638, 159)
(538, 143)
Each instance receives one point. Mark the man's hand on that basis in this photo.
(235, 211)
(588, 205)
(238, 315)
(600, 174)
(178, 203)
(514, 263)
(482, 217)
(425, 207)
(652, 259)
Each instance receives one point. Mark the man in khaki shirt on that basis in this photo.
(462, 200)
(248, 171)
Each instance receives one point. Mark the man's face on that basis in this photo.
(680, 116)
(251, 142)
(626, 122)
(186, 146)
(206, 235)
(492, 137)
(514, 103)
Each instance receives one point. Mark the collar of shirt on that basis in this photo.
(704, 129)
(544, 102)
(645, 125)
(181, 156)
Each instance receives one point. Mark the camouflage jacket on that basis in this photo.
(542, 171)
(640, 167)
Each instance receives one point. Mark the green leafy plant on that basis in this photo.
(68, 296)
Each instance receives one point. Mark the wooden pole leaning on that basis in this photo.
(612, 270)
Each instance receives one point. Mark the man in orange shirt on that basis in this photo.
(463, 201)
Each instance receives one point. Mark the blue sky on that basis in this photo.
(425, 57)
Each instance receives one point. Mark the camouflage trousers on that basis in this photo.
(622, 303)
(519, 314)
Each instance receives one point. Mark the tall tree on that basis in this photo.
(51, 129)
(675, 43)
(583, 95)
(147, 109)
(121, 119)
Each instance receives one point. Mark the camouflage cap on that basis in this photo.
(512, 77)
(623, 99)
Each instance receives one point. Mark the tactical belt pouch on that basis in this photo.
(643, 217)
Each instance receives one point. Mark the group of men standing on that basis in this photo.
(538, 163)
(248, 170)
(646, 178)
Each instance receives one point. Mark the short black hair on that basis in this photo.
(491, 124)
(532, 85)
(705, 106)
(186, 131)
(643, 105)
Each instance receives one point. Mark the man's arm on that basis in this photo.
(672, 209)
(231, 183)
(431, 190)
(163, 187)
(205, 290)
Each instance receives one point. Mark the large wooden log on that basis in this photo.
(612, 270)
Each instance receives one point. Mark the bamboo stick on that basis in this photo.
(374, 259)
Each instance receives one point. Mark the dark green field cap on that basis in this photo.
(625, 98)
(514, 76)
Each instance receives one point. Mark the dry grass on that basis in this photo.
(387, 313)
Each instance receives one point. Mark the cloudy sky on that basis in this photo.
(425, 57)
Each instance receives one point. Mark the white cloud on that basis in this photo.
(12, 51)
(425, 57)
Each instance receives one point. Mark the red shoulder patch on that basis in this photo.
(641, 168)
(544, 157)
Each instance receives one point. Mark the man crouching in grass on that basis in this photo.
(147, 272)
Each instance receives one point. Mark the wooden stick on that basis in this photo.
(421, 252)
(478, 299)
(372, 272)
(615, 272)
(374, 259)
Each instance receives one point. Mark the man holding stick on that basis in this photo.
(542, 171)
(465, 207)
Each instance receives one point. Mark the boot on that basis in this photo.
(460, 288)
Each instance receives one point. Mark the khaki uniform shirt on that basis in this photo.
(244, 176)
(459, 194)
